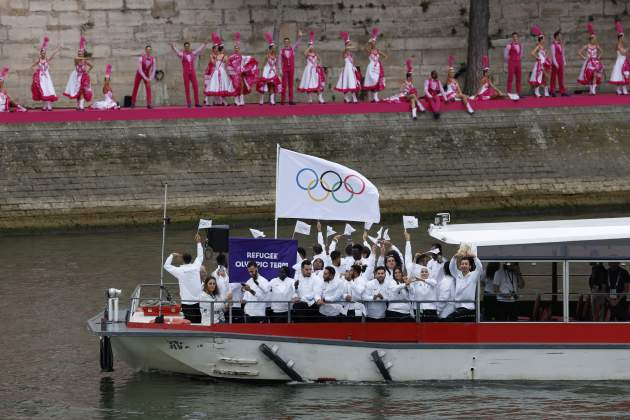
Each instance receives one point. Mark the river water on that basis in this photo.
(51, 284)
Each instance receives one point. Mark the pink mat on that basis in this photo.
(251, 110)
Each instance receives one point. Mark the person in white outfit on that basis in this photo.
(269, 80)
(425, 292)
(620, 76)
(187, 275)
(42, 88)
(329, 294)
(376, 295)
(313, 77)
(467, 274)
(211, 303)
(281, 293)
(445, 304)
(255, 292)
(349, 82)
(401, 294)
(108, 101)
(353, 288)
(307, 287)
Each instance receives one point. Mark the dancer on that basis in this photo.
(269, 80)
(313, 78)
(453, 91)
(374, 81)
(287, 63)
(542, 65)
(434, 94)
(108, 101)
(219, 85)
(558, 62)
(513, 54)
(349, 82)
(79, 86)
(147, 65)
(487, 89)
(620, 75)
(207, 75)
(592, 69)
(243, 70)
(189, 71)
(5, 100)
(408, 92)
(42, 88)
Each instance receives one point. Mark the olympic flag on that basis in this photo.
(312, 188)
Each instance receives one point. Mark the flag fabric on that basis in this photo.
(329, 231)
(257, 233)
(313, 188)
(348, 230)
(373, 239)
(301, 227)
(379, 234)
(410, 222)
(386, 235)
(204, 224)
(368, 225)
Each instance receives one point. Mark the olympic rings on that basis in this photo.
(318, 181)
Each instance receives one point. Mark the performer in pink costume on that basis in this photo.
(218, 84)
(542, 66)
(79, 86)
(487, 89)
(42, 88)
(108, 101)
(349, 82)
(313, 77)
(207, 74)
(5, 100)
(408, 92)
(269, 80)
(243, 70)
(558, 61)
(592, 70)
(434, 94)
(147, 64)
(620, 76)
(453, 91)
(374, 80)
(513, 54)
(189, 71)
(287, 63)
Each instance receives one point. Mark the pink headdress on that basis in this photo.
(216, 39)
(619, 28)
(237, 39)
(409, 66)
(108, 71)
(375, 32)
(269, 38)
(590, 29)
(311, 38)
(451, 62)
(485, 63)
(345, 36)
(44, 45)
(536, 31)
(82, 44)
(3, 73)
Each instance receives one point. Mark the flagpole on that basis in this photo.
(276, 207)
(160, 318)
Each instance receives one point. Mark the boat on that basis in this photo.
(561, 345)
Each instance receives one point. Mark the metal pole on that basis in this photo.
(565, 292)
(163, 241)
(275, 232)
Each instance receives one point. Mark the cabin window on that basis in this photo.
(598, 291)
(522, 291)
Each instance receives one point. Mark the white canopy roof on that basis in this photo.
(516, 233)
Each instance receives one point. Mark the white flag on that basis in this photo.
(329, 231)
(313, 188)
(379, 234)
(368, 225)
(204, 224)
(257, 233)
(373, 239)
(348, 230)
(303, 228)
(410, 222)
(386, 235)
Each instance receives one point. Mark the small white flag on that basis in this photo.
(257, 233)
(379, 234)
(410, 222)
(368, 225)
(204, 224)
(329, 231)
(348, 230)
(386, 235)
(303, 228)
(373, 239)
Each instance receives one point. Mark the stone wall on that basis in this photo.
(428, 31)
(112, 172)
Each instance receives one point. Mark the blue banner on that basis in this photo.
(268, 254)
